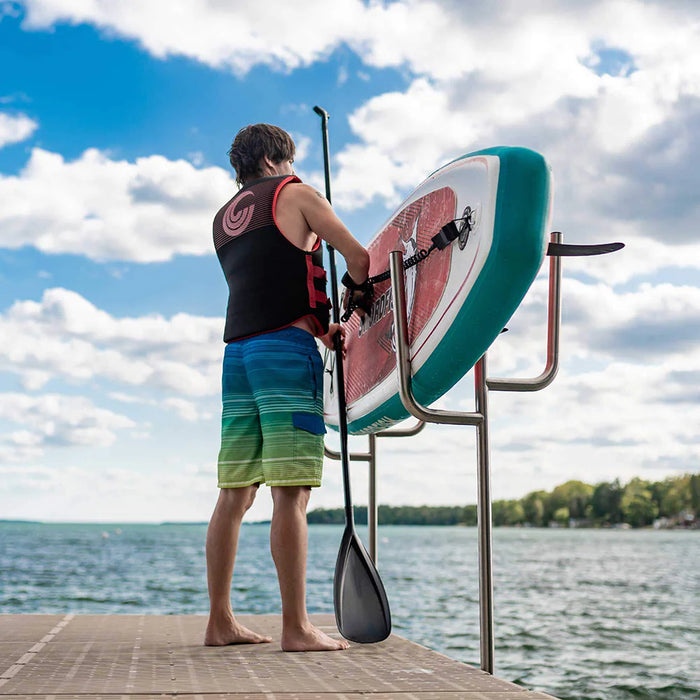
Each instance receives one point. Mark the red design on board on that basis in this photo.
(370, 352)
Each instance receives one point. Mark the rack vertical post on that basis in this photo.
(478, 418)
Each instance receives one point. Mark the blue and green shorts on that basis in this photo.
(272, 420)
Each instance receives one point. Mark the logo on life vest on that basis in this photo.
(238, 215)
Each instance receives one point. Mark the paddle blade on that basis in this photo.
(361, 606)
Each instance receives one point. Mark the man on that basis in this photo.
(267, 238)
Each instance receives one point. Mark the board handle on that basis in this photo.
(577, 250)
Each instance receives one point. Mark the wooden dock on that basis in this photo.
(143, 657)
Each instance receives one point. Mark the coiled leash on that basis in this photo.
(448, 233)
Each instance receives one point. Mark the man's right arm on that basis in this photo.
(323, 221)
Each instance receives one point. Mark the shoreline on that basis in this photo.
(524, 526)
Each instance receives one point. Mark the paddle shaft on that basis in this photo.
(337, 340)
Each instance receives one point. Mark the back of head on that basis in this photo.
(252, 144)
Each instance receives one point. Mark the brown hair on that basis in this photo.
(255, 141)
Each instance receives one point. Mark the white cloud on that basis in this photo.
(594, 425)
(54, 419)
(221, 34)
(11, 452)
(654, 323)
(15, 128)
(196, 158)
(480, 76)
(444, 40)
(72, 492)
(393, 156)
(156, 367)
(625, 402)
(622, 144)
(66, 336)
(527, 60)
(187, 410)
(617, 408)
(598, 147)
(15, 97)
(623, 141)
(156, 208)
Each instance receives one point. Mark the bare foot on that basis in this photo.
(230, 632)
(310, 638)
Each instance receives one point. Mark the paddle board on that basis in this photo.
(458, 299)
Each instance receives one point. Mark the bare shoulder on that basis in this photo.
(307, 208)
(301, 193)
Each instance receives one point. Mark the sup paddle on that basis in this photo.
(361, 606)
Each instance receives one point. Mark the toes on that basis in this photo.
(313, 640)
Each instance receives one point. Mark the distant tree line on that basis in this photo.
(400, 515)
(638, 503)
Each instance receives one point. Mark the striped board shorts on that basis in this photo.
(272, 420)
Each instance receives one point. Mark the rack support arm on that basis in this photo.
(553, 327)
(403, 358)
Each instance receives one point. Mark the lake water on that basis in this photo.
(581, 614)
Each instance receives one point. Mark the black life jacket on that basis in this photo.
(272, 283)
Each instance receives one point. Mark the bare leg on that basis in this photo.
(222, 542)
(288, 542)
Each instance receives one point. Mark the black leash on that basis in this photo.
(448, 233)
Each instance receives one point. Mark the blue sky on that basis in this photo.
(115, 120)
(95, 92)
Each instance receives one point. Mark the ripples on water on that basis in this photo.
(600, 615)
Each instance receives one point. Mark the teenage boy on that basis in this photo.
(268, 240)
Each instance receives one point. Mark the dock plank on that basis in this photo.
(141, 657)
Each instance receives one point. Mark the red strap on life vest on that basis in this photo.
(310, 281)
(317, 297)
(320, 297)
